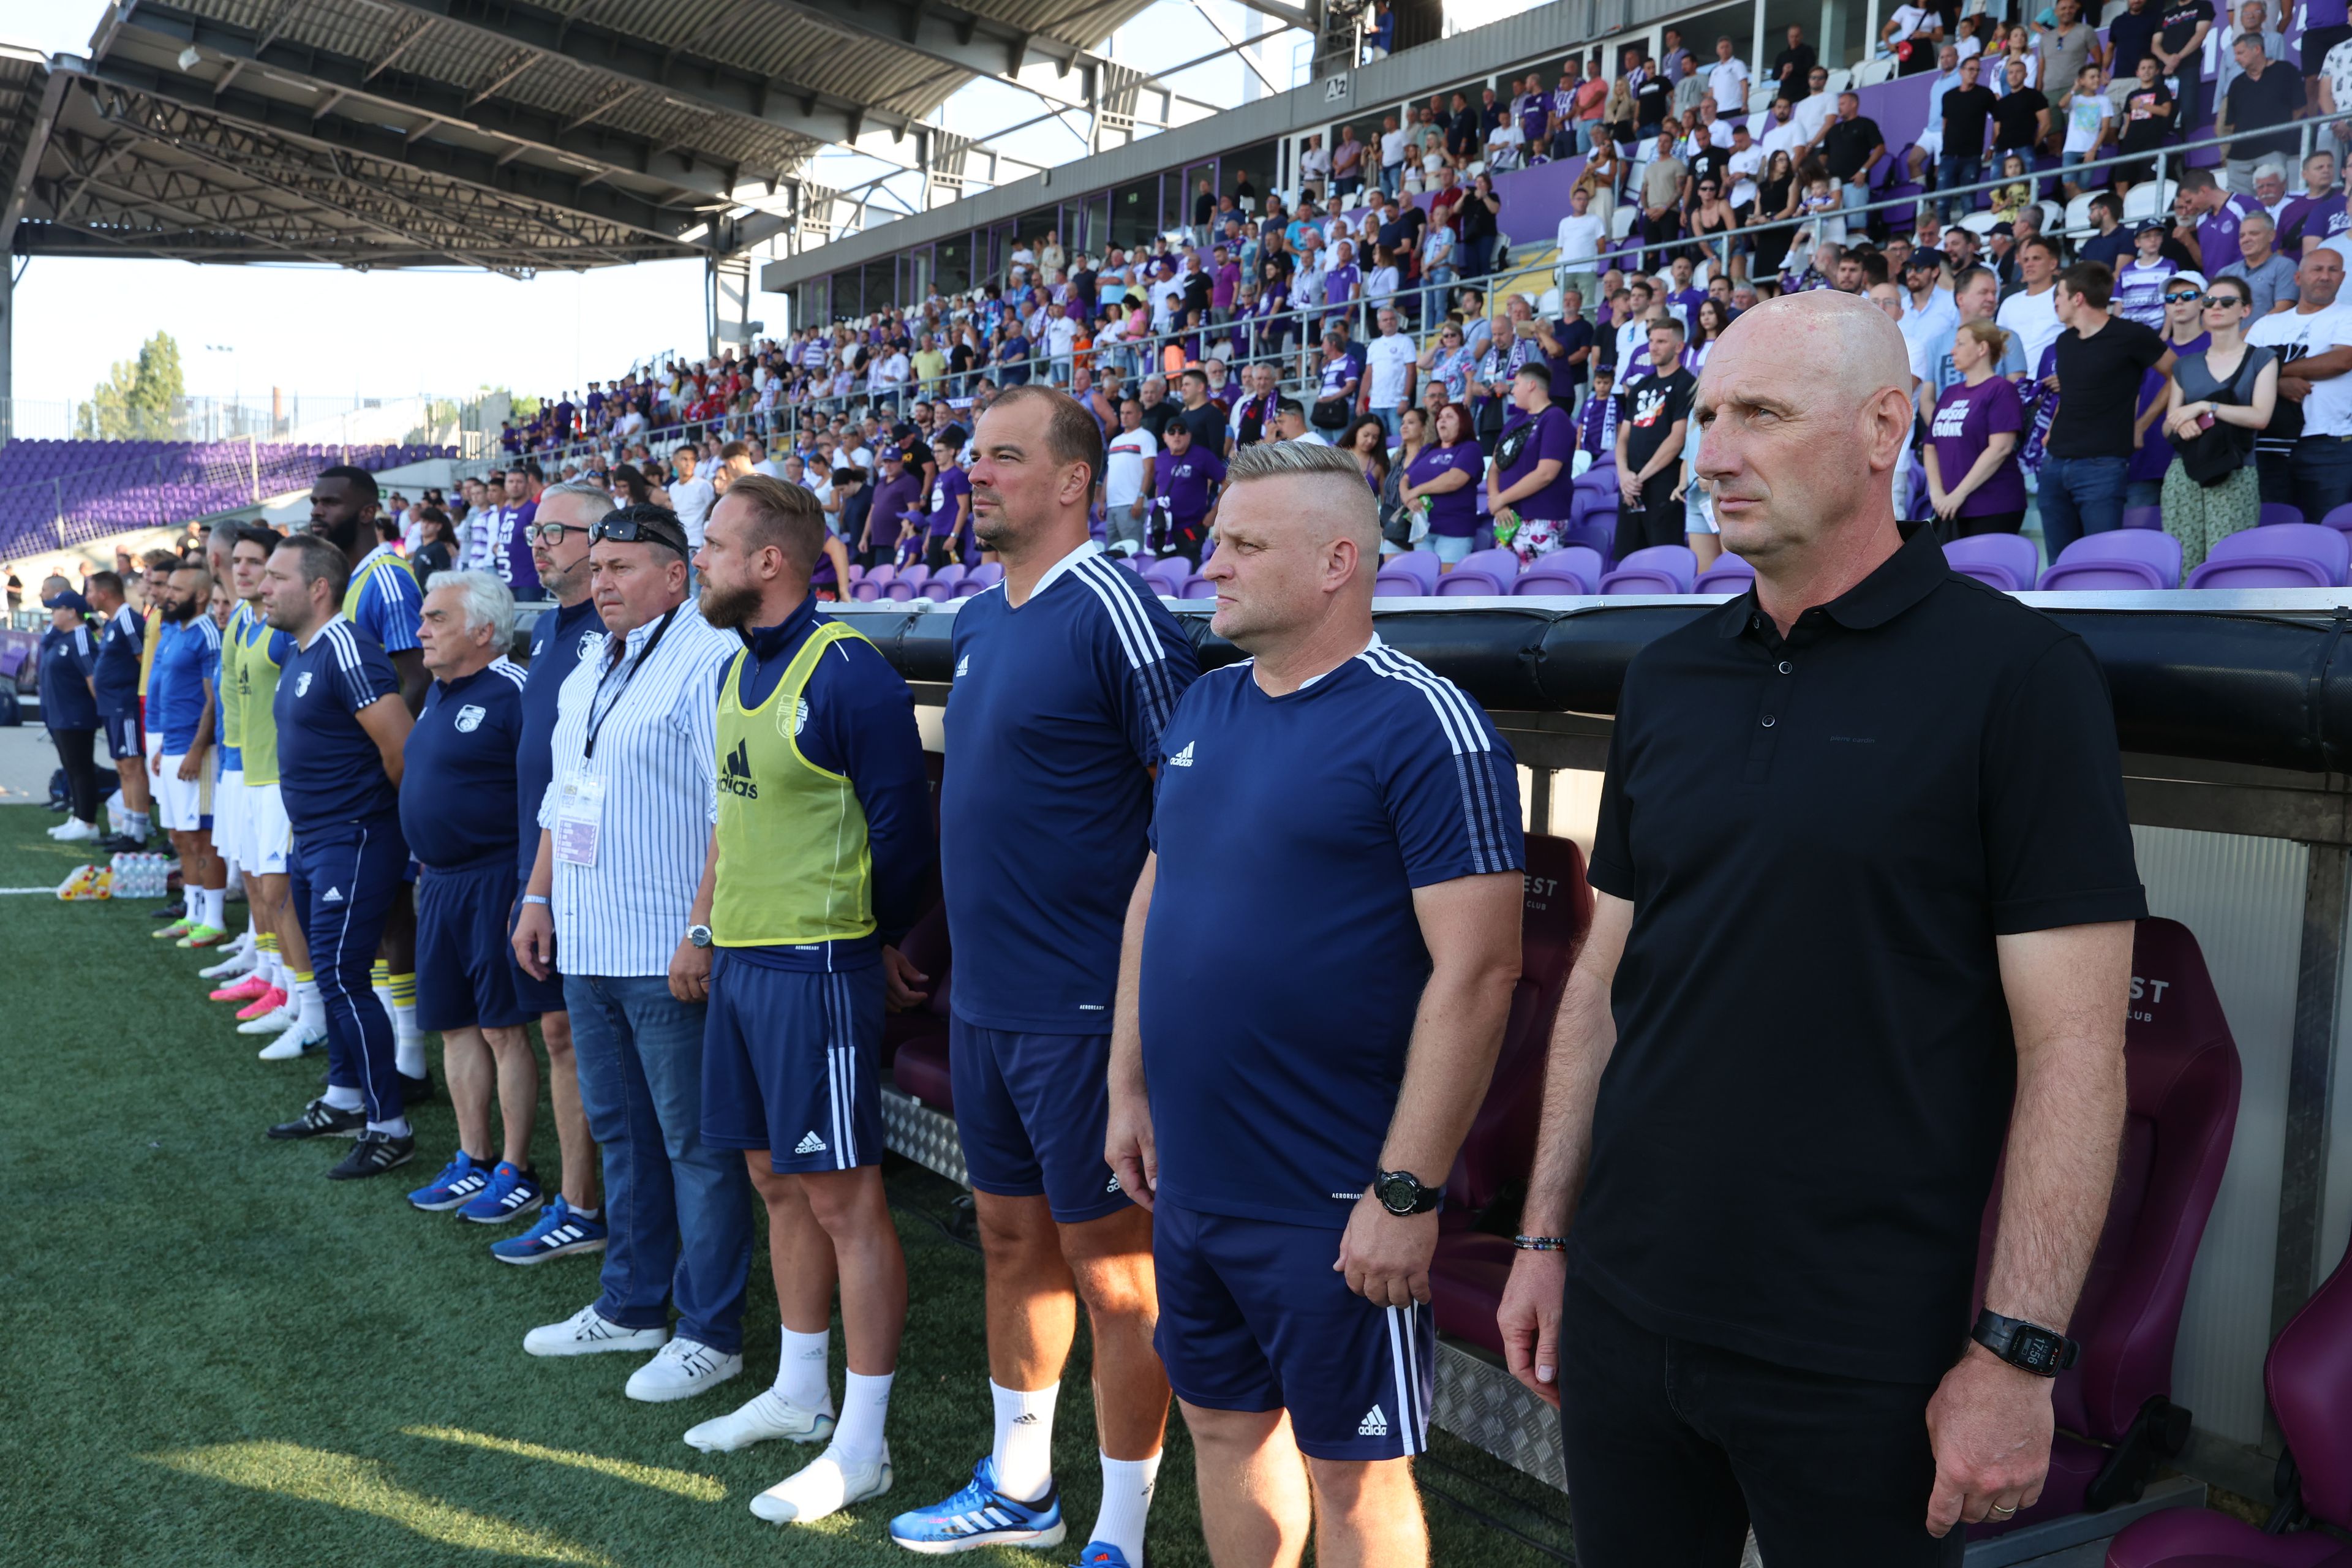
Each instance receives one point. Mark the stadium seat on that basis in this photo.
(1729, 574)
(943, 581)
(970, 586)
(881, 574)
(1167, 575)
(1660, 569)
(2308, 1375)
(1467, 1275)
(1570, 569)
(898, 588)
(1500, 564)
(1469, 581)
(1596, 532)
(866, 590)
(2338, 518)
(2125, 558)
(2114, 1416)
(926, 1025)
(2277, 511)
(1199, 587)
(1390, 584)
(2006, 561)
(987, 574)
(914, 576)
(2144, 517)
(1421, 565)
(2149, 198)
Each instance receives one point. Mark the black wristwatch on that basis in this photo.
(1401, 1192)
(2029, 1347)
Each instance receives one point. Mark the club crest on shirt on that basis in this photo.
(589, 643)
(302, 684)
(800, 716)
(470, 718)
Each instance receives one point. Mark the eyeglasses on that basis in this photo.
(631, 530)
(549, 532)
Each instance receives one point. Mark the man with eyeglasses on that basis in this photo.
(573, 1220)
(623, 832)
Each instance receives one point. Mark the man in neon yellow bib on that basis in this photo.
(819, 847)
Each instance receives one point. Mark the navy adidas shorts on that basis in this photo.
(792, 1063)
(536, 995)
(1253, 1317)
(464, 971)
(126, 737)
(1032, 1110)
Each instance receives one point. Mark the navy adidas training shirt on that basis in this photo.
(329, 770)
(457, 805)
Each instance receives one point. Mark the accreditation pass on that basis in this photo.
(579, 815)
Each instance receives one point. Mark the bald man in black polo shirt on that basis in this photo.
(1865, 893)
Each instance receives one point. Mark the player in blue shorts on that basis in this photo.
(114, 682)
(457, 813)
(1063, 677)
(339, 736)
(1317, 970)
(820, 850)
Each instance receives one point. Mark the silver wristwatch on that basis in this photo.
(699, 935)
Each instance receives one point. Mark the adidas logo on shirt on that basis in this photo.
(735, 777)
(811, 1144)
(1182, 759)
(331, 896)
(1374, 1425)
(963, 667)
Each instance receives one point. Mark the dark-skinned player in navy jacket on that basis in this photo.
(1318, 964)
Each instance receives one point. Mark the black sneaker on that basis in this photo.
(123, 843)
(372, 1155)
(415, 1091)
(171, 912)
(320, 1119)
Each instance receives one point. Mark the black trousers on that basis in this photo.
(1674, 1448)
(77, 754)
(1656, 519)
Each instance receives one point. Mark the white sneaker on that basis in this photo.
(770, 1415)
(681, 1370)
(824, 1486)
(236, 966)
(275, 1023)
(75, 831)
(293, 1043)
(586, 1332)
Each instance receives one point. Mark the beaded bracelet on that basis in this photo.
(1540, 1243)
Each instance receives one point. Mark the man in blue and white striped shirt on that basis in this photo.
(623, 832)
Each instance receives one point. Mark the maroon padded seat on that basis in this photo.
(2116, 1418)
(926, 948)
(1466, 1277)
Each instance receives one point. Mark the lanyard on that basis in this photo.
(598, 709)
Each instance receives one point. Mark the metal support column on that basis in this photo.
(7, 349)
(2310, 1086)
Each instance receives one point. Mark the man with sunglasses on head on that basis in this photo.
(623, 831)
(573, 1220)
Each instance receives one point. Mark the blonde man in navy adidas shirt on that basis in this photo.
(1318, 964)
(1065, 674)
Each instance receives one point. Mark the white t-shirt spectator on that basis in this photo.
(692, 500)
(1580, 241)
(2085, 116)
(2034, 319)
(1123, 473)
(1061, 337)
(1811, 115)
(1388, 367)
(1727, 79)
(2327, 411)
(1314, 166)
(1745, 167)
(1393, 147)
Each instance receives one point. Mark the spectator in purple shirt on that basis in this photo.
(1225, 277)
(1974, 482)
(2219, 212)
(1531, 485)
(951, 510)
(2316, 213)
(1445, 477)
(1185, 477)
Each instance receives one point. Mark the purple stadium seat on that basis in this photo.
(970, 586)
(2125, 558)
(2007, 561)
(1500, 564)
(915, 576)
(2181, 1068)
(2144, 517)
(1729, 574)
(1419, 565)
(881, 574)
(1467, 1275)
(2277, 511)
(1199, 587)
(898, 588)
(2277, 555)
(2308, 1374)
(1167, 575)
(866, 592)
(1596, 532)
(1660, 569)
(943, 581)
(1391, 583)
(1570, 569)
(988, 572)
(2338, 518)
(1469, 581)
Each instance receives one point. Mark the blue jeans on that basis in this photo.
(678, 1210)
(2080, 496)
(1391, 178)
(2322, 468)
(1851, 195)
(1951, 170)
(1388, 419)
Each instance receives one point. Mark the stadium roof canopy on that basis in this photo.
(500, 133)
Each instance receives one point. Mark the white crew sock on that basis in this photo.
(1024, 1440)
(215, 907)
(1126, 1498)
(311, 1008)
(864, 1405)
(799, 1370)
(137, 824)
(395, 1128)
(408, 1053)
(342, 1099)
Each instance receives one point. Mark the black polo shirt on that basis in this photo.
(1821, 836)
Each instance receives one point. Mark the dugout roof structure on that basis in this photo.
(509, 134)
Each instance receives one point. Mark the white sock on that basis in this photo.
(137, 824)
(408, 1053)
(799, 1370)
(1126, 1498)
(342, 1099)
(395, 1128)
(864, 1404)
(310, 1007)
(215, 907)
(1024, 1440)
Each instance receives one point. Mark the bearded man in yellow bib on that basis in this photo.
(821, 847)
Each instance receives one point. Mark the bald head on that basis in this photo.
(1830, 338)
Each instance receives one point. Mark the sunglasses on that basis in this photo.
(630, 530)
(2182, 298)
(2216, 301)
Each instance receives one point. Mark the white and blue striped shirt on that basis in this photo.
(655, 753)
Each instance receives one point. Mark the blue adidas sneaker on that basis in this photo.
(1103, 1554)
(979, 1515)
(558, 1233)
(459, 1180)
(510, 1194)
